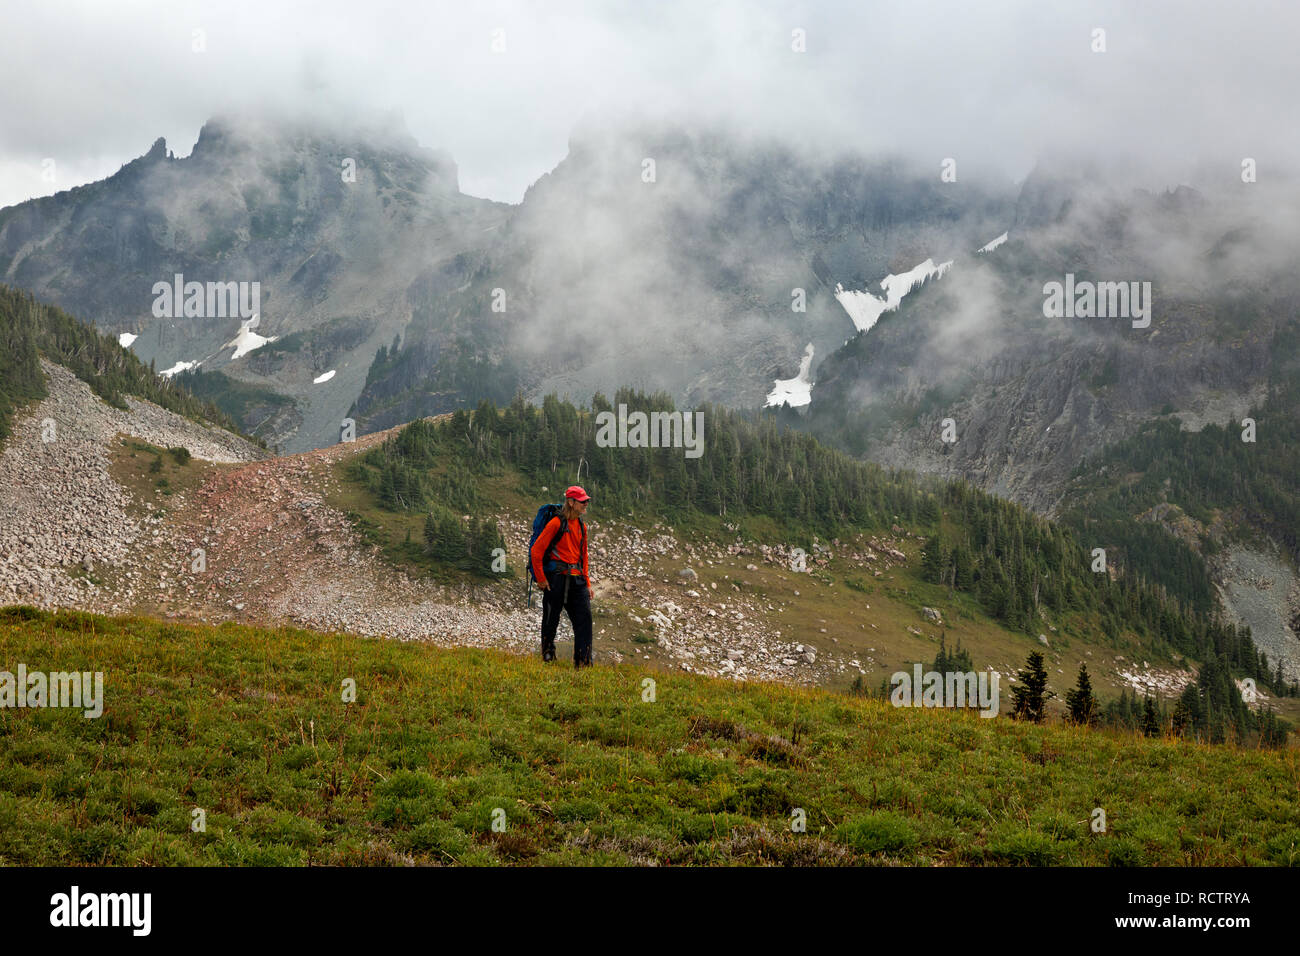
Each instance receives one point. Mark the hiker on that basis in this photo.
(559, 561)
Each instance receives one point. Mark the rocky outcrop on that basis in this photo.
(1261, 590)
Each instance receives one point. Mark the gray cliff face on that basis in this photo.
(679, 277)
(1032, 397)
(265, 202)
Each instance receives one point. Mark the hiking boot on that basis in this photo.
(548, 652)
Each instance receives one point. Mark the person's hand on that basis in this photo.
(544, 584)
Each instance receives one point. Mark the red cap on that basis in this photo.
(577, 494)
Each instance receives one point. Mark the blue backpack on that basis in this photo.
(544, 515)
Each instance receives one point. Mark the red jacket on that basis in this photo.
(570, 549)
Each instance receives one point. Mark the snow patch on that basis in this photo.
(994, 244)
(247, 340)
(798, 390)
(865, 309)
(125, 339)
(178, 367)
(324, 378)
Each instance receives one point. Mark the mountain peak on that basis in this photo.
(271, 132)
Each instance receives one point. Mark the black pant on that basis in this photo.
(569, 592)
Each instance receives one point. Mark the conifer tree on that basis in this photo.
(932, 561)
(1272, 730)
(1029, 696)
(1150, 722)
(1128, 709)
(1080, 701)
(1182, 719)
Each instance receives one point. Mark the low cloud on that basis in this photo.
(1180, 87)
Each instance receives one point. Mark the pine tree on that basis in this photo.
(963, 578)
(932, 561)
(1182, 719)
(1028, 697)
(1080, 701)
(444, 537)
(1272, 730)
(941, 659)
(485, 538)
(1150, 722)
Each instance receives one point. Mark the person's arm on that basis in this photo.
(539, 551)
(585, 575)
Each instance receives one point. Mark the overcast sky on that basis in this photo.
(89, 84)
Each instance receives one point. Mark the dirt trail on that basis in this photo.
(274, 550)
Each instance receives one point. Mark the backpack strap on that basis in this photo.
(549, 553)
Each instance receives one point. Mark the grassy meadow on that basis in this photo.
(476, 757)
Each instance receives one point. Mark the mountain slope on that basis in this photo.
(32, 330)
(1031, 396)
(679, 277)
(70, 535)
(266, 201)
(699, 560)
(1040, 406)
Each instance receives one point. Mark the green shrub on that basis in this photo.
(879, 833)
